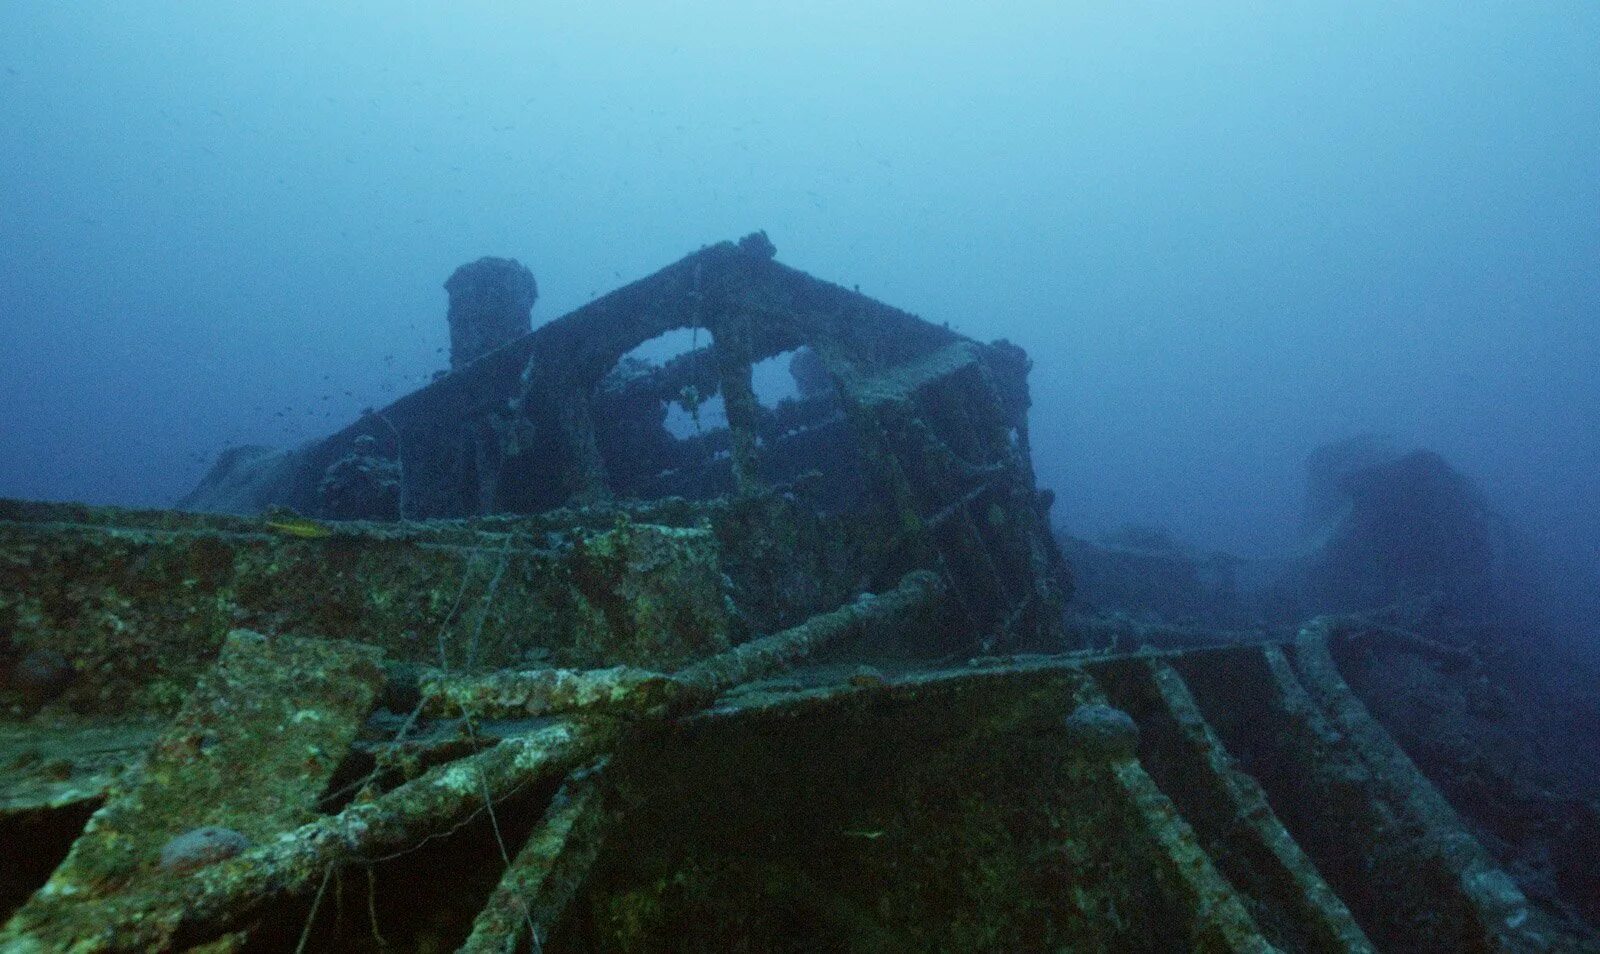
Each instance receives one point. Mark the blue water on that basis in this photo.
(1226, 232)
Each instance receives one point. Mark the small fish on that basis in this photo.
(872, 835)
(300, 527)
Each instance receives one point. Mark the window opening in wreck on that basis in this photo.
(660, 422)
(693, 416)
(668, 345)
(803, 433)
(795, 393)
(692, 408)
(774, 380)
(656, 354)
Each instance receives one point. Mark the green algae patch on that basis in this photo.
(643, 595)
(249, 753)
(901, 817)
(138, 604)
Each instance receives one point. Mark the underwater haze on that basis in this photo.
(1226, 233)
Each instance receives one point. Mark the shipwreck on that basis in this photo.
(509, 665)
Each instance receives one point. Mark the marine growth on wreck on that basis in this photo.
(509, 665)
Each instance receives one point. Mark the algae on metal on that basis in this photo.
(141, 607)
(251, 751)
(422, 718)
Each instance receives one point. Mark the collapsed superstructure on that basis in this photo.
(508, 664)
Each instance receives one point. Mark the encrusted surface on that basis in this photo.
(248, 755)
(138, 605)
(756, 630)
(920, 810)
(65, 762)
